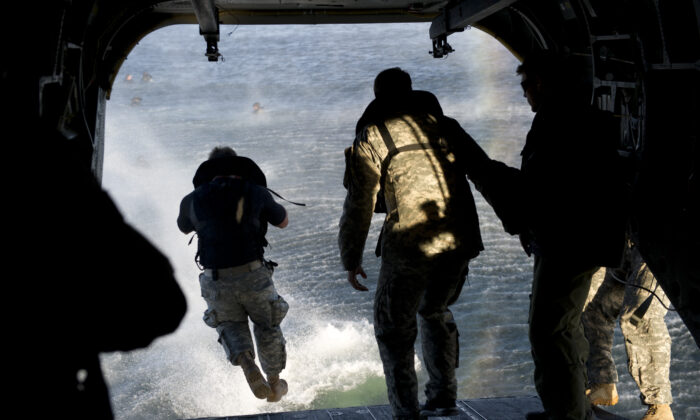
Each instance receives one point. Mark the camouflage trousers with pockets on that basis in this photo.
(426, 289)
(647, 340)
(232, 300)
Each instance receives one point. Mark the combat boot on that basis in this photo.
(442, 408)
(256, 381)
(278, 388)
(658, 412)
(602, 394)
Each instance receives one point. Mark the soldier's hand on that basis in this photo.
(352, 278)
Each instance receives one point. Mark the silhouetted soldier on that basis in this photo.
(90, 284)
(566, 202)
(647, 341)
(407, 151)
(230, 210)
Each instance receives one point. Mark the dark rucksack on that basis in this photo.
(227, 229)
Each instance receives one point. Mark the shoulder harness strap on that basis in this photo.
(393, 150)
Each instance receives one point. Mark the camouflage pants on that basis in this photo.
(559, 347)
(231, 300)
(426, 289)
(647, 341)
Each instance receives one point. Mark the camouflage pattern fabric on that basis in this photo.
(430, 208)
(426, 288)
(430, 232)
(648, 343)
(231, 300)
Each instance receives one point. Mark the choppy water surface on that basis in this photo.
(313, 82)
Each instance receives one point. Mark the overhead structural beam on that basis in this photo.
(458, 16)
(208, 18)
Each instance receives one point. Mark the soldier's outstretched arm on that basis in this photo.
(469, 154)
(184, 223)
(283, 224)
(273, 212)
(363, 183)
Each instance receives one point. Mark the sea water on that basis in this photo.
(313, 83)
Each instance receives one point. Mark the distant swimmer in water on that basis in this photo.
(146, 77)
(257, 107)
(129, 78)
(136, 100)
(142, 162)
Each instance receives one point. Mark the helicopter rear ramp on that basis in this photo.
(505, 408)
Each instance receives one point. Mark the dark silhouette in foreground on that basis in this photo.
(87, 283)
(567, 203)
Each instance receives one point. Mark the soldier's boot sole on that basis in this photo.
(278, 390)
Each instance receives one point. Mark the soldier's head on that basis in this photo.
(547, 74)
(391, 83)
(221, 151)
(536, 72)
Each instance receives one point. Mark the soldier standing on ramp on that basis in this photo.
(411, 154)
(230, 213)
(647, 341)
(569, 166)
